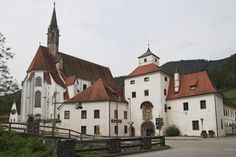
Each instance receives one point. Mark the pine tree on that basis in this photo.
(7, 83)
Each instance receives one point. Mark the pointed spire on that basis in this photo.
(53, 34)
(54, 17)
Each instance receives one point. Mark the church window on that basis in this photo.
(132, 82)
(84, 86)
(185, 105)
(145, 59)
(155, 60)
(164, 91)
(37, 98)
(146, 92)
(67, 115)
(146, 79)
(195, 125)
(38, 82)
(133, 94)
(83, 114)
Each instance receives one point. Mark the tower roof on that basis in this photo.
(148, 53)
(54, 18)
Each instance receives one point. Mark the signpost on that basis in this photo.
(159, 124)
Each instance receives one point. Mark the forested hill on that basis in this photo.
(222, 72)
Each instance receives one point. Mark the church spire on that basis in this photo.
(53, 34)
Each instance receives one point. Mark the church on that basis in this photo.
(84, 97)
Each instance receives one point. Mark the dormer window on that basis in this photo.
(145, 59)
(193, 84)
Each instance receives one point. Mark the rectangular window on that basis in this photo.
(125, 129)
(164, 91)
(83, 129)
(83, 114)
(145, 60)
(166, 79)
(96, 114)
(116, 114)
(125, 115)
(185, 105)
(67, 115)
(195, 125)
(146, 79)
(146, 92)
(132, 82)
(116, 129)
(133, 94)
(165, 108)
(203, 104)
(96, 129)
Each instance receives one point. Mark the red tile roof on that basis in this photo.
(98, 91)
(43, 60)
(145, 69)
(72, 68)
(200, 79)
(86, 70)
(70, 80)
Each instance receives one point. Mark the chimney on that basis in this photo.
(177, 82)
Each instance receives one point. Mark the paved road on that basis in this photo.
(217, 147)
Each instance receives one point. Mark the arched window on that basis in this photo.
(37, 99)
(38, 82)
(84, 86)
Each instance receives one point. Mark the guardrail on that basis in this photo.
(53, 132)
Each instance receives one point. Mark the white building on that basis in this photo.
(190, 101)
(57, 85)
(104, 112)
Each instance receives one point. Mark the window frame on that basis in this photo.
(116, 114)
(132, 82)
(133, 94)
(146, 79)
(125, 115)
(202, 104)
(185, 106)
(125, 129)
(38, 81)
(83, 129)
(116, 129)
(37, 99)
(195, 125)
(146, 92)
(83, 114)
(67, 114)
(96, 114)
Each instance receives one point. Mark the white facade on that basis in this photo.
(157, 86)
(209, 118)
(229, 119)
(14, 116)
(106, 121)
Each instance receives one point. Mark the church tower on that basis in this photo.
(53, 35)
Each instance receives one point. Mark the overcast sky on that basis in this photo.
(114, 33)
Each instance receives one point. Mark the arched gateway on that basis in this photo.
(147, 126)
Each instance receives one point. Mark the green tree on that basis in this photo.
(7, 83)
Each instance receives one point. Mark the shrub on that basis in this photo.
(211, 133)
(172, 131)
(204, 134)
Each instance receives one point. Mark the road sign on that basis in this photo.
(159, 122)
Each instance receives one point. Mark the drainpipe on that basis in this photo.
(217, 134)
(109, 118)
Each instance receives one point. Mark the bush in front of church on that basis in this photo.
(172, 131)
